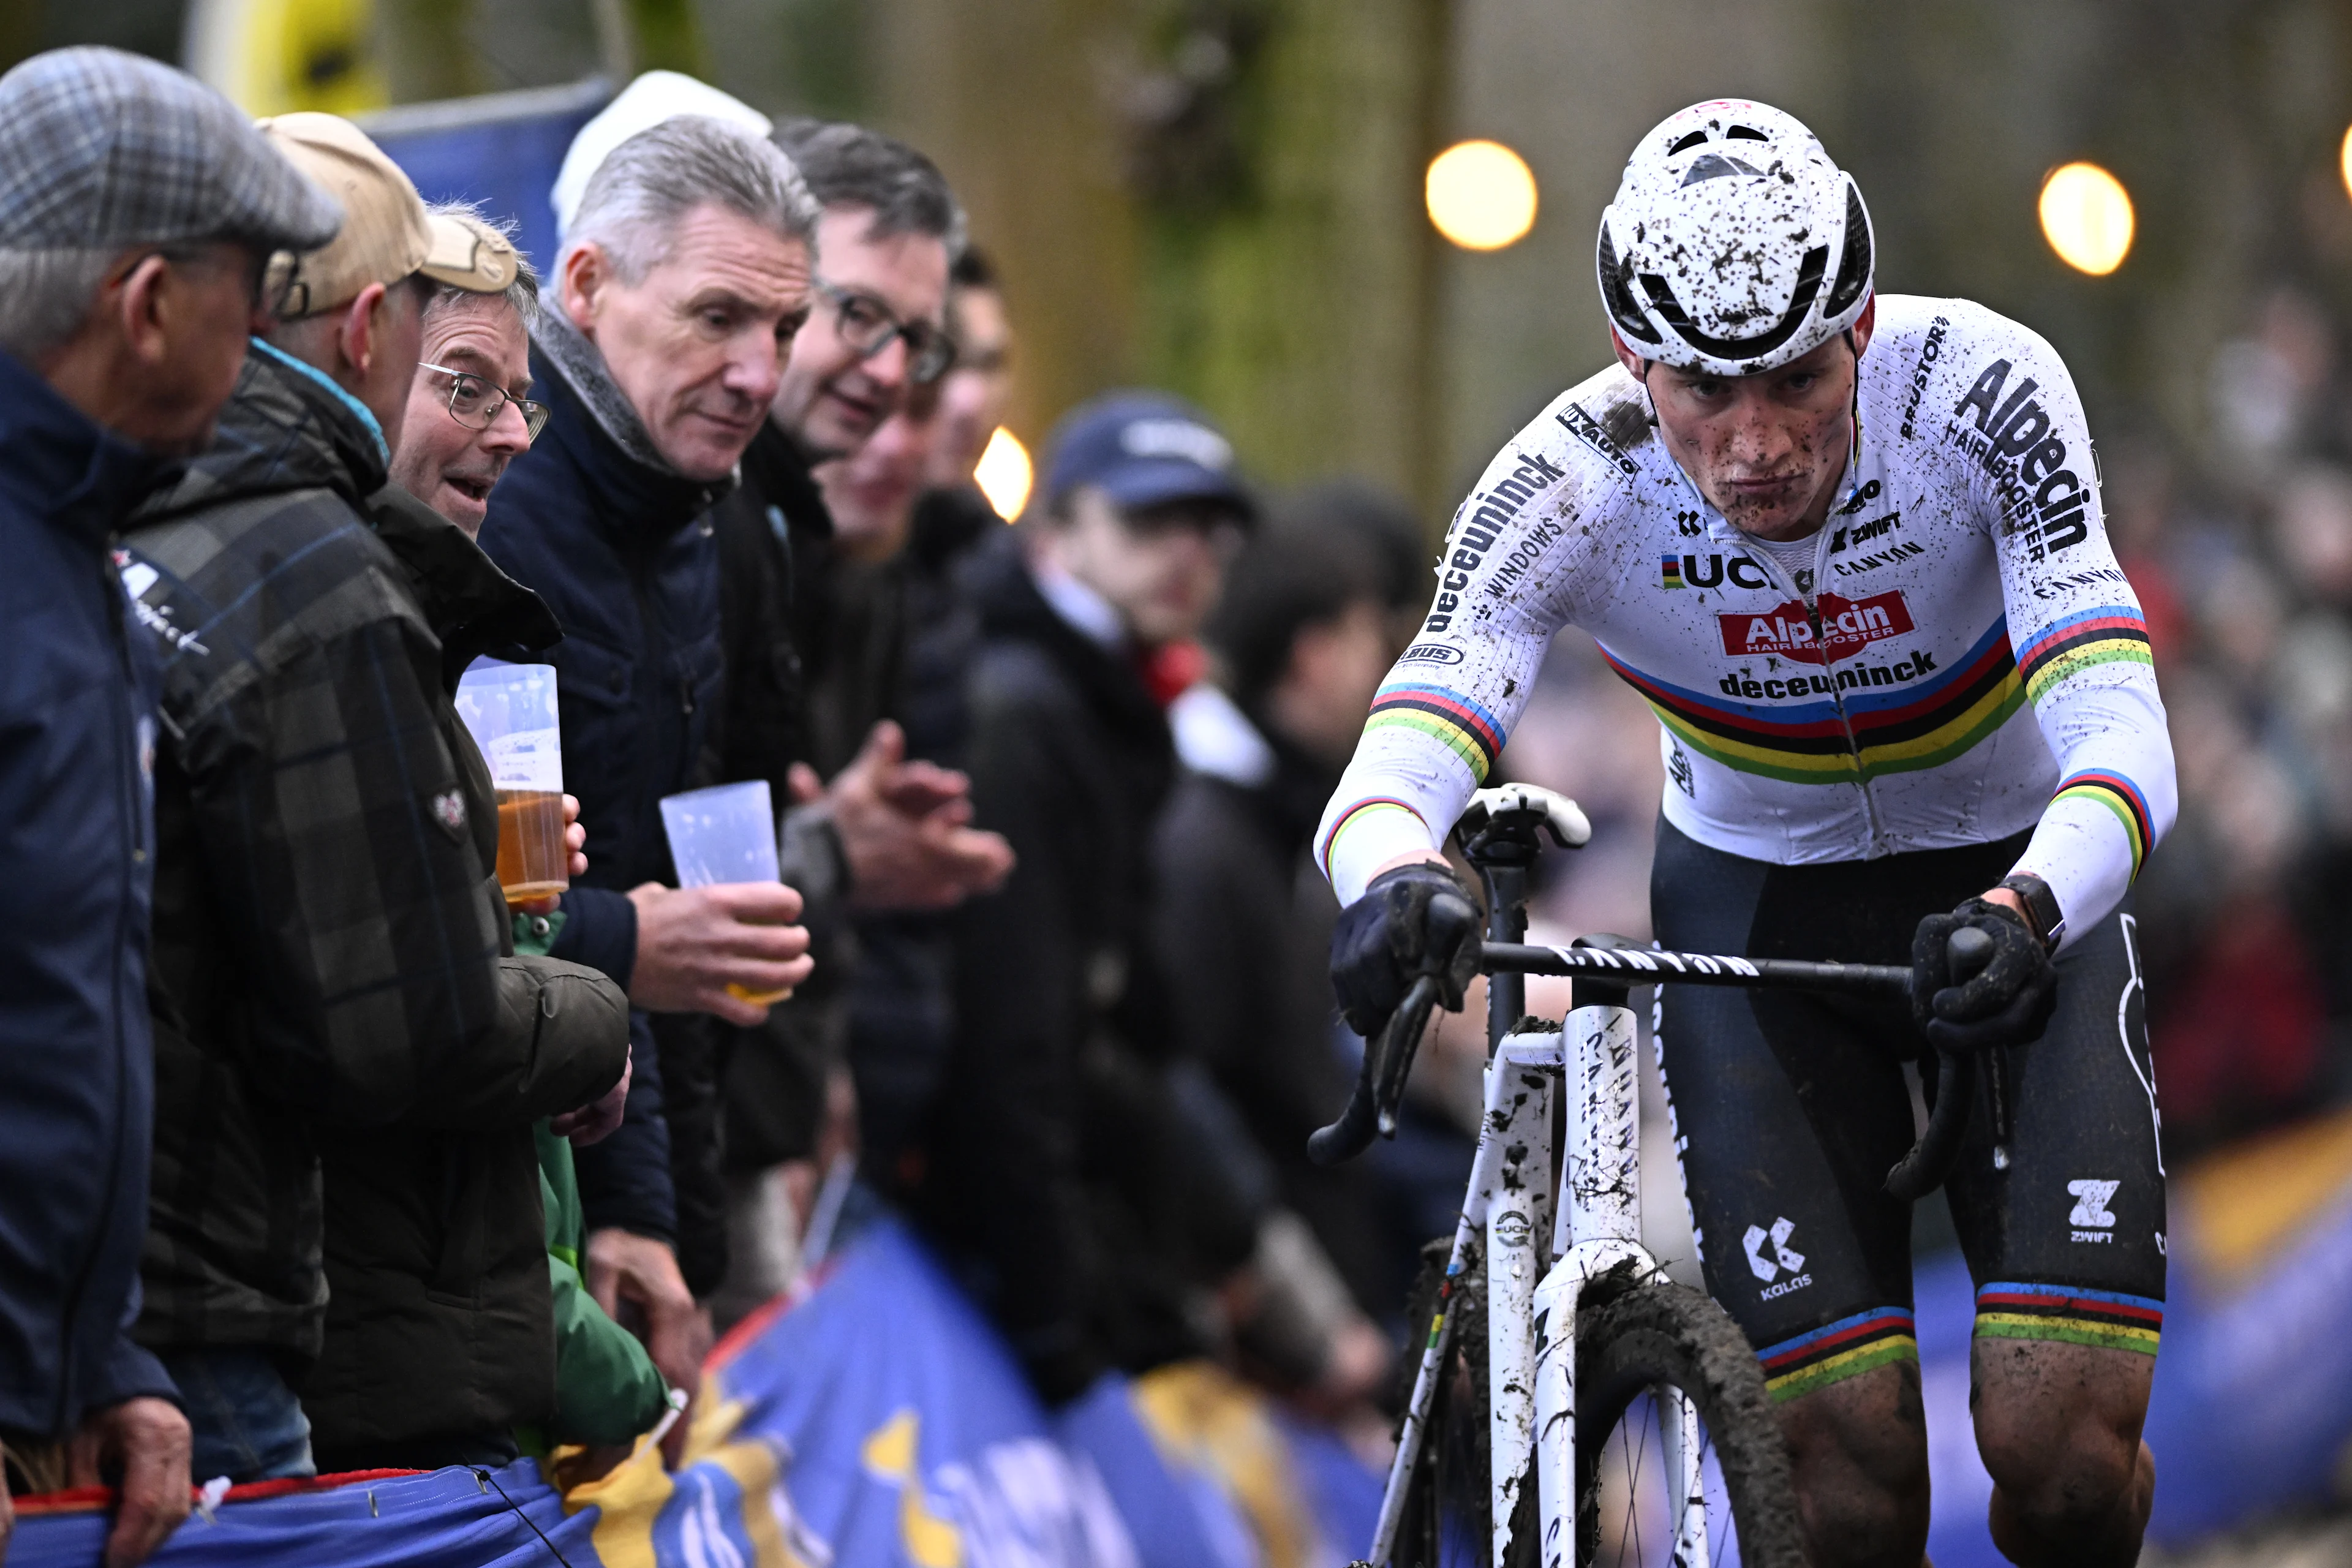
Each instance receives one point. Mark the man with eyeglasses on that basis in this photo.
(469, 415)
(816, 631)
(137, 209)
(348, 1059)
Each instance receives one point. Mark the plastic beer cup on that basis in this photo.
(727, 834)
(511, 710)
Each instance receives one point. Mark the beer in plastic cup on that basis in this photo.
(727, 834)
(511, 710)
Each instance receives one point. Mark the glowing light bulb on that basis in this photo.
(1003, 474)
(1481, 196)
(2344, 161)
(2086, 217)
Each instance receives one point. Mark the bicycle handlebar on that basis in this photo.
(1380, 1084)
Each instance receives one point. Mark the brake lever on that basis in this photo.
(1380, 1083)
(1923, 1169)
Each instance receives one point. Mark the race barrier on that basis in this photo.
(879, 1423)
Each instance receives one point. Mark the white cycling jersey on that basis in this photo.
(1972, 662)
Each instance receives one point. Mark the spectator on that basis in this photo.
(1055, 1168)
(1301, 644)
(329, 976)
(978, 387)
(901, 1013)
(468, 418)
(469, 412)
(683, 277)
(816, 631)
(137, 211)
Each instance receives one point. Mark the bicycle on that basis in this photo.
(1580, 1319)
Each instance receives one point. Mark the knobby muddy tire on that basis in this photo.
(1643, 1333)
(1629, 1337)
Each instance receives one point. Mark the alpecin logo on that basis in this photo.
(1848, 625)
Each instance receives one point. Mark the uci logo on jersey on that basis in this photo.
(1709, 572)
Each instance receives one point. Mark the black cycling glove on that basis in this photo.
(1416, 920)
(2006, 1002)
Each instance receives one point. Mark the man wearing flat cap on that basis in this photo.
(137, 211)
(349, 1059)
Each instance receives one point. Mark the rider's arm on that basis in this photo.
(1440, 720)
(2081, 644)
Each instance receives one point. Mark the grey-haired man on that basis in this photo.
(137, 211)
(684, 275)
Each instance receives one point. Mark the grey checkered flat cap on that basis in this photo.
(99, 149)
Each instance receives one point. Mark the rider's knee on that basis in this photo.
(2064, 1475)
(2058, 1427)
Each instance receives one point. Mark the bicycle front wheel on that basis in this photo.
(1637, 1344)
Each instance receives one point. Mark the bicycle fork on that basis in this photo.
(1539, 1254)
(1599, 1229)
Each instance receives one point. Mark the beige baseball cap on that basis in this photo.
(386, 236)
(469, 254)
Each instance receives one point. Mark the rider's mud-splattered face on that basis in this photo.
(1766, 450)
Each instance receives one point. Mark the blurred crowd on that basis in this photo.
(332, 1136)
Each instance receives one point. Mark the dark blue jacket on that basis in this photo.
(613, 545)
(76, 1072)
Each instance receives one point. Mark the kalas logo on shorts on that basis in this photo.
(1848, 625)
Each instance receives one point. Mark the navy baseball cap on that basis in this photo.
(1144, 448)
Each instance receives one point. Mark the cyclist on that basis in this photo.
(1850, 549)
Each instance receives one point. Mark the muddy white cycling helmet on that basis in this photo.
(1734, 244)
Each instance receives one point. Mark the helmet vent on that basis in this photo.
(1617, 293)
(1746, 132)
(1854, 265)
(1716, 166)
(1695, 139)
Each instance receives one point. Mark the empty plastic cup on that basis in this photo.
(511, 710)
(724, 835)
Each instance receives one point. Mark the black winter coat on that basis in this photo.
(333, 967)
(1058, 1169)
(1245, 918)
(609, 539)
(77, 1076)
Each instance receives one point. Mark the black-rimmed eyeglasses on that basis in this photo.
(867, 326)
(475, 402)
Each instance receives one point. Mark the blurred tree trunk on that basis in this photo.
(1222, 197)
(1008, 97)
(1301, 314)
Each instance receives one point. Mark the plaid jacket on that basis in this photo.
(329, 940)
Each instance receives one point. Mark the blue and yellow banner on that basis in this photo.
(879, 1423)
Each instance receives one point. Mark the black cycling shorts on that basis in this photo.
(1788, 1109)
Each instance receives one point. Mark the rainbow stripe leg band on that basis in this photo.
(2068, 1315)
(1831, 1354)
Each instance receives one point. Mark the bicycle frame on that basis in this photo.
(1540, 1253)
